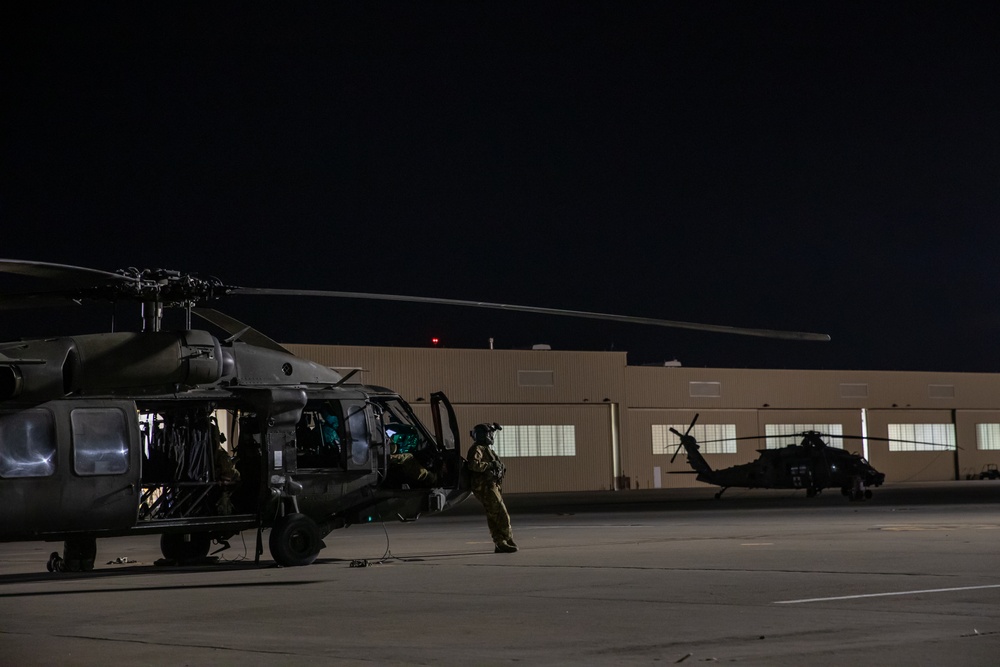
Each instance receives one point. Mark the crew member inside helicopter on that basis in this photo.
(318, 438)
(226, 474)
(331, 431)
(411, 460)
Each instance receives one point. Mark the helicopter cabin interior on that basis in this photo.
(201, 463)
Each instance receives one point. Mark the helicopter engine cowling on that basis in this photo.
(35, 370)
(109, 363)
(147, 361)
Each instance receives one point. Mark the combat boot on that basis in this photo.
(505, 548)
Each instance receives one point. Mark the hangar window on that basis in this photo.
(782, 435)
(27, 444)
(987, 436)
(921, 437)
(100, 441)
(536, 440)
(713, 438)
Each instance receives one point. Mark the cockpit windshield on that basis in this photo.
(402, 429)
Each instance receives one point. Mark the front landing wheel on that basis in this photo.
(295, 540)
(185, 547)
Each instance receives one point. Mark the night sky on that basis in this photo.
(817, 166)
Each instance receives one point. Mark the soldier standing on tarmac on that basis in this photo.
(485, 476)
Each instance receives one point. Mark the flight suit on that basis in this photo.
(483, 464)
(412, 471)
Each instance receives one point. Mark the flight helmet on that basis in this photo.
(483, 433)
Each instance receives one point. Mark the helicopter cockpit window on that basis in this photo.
(27, 444)
(414, 458)
(100, 441)
(402, 429)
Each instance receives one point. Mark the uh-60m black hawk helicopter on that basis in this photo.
(812, 465)
(123, 433)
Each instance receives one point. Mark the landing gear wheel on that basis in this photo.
(295, 540)
(185, 547)
(55, 563)
(78, 554)
(868, 494)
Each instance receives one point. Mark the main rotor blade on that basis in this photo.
(72, 275)
(79, 283)
(42, 300)
(742, 331)
(875, 438)
(71, 284)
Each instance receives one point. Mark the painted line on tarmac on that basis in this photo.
(883, 595)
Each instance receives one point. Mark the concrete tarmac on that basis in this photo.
(625, 578)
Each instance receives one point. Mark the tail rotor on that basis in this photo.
(679, 435)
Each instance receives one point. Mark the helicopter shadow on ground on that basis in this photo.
(99, 575)
(248, 564)
(390, 558)
(146, 589)
(228, 566)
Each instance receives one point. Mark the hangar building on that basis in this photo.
(587, 421)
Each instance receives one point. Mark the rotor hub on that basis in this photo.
(167, 287)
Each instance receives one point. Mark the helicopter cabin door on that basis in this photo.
(69, 467)
(445, 422)
(446, 432)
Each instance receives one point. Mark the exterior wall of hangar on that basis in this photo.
(614, 410)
